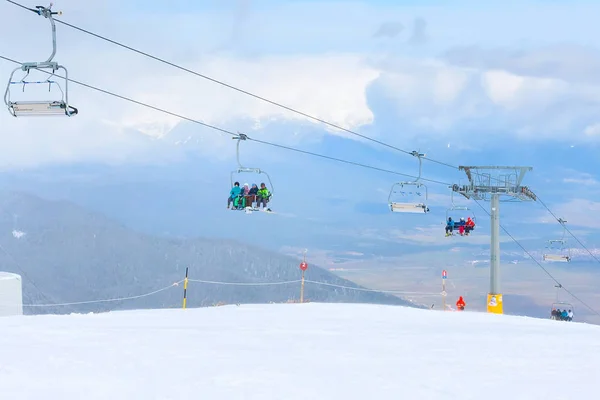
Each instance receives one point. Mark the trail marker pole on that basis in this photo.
(303, 268)
(185, 282)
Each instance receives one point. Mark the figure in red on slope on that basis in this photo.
(460, 304)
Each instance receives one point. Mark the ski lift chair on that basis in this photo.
(418, 207)
(41, 107)
(562, 306)
(453, 207)
(557, 258)
(557, 251)
(414, 207)
(242, 169)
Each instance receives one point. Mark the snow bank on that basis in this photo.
(297, 351)
(11, 295)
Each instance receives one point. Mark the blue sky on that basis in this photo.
(465, 82)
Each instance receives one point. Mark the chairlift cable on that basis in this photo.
(344, 161)
(22, 6)
(177, 66)
(230, 86)
(234, 134)
(257, 97)
(273, 103)
(308, 153)
(278, 145)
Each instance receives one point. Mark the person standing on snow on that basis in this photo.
(460, 303)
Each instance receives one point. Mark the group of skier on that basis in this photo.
(563, 315)
(246, 196)
(464, 227)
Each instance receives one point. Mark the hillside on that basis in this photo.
(309, 351)
(68, 254)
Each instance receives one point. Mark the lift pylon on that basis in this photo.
(489, 183)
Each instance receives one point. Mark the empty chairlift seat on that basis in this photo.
(408, 201)
(33, 105)
(409, 197)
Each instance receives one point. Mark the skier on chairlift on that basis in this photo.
(461, 226)
(469, 226)
(449, 226)
(263, 197)
(234, 193)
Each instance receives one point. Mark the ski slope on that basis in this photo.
(296, 351)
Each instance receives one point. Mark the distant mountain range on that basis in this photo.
(66, 253)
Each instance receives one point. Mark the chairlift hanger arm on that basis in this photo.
(420, 156)
(563, 222)
(239, 137)
(241, 168)
(47, 13)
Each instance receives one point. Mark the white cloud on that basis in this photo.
(330, 87)
(577, 178)
(502, 87)
(436, 97)
(577, 212)
(584, 181)
(432, 96)
(327, 86)
(592, 130)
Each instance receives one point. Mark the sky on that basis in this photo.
(467, 83)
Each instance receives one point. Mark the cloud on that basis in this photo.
(592, 130)
(342, 101)
(390, 29)
(569, 63)
(434, 97)
(419, 34)
(396, 99)
(577, 212)
(582, 179)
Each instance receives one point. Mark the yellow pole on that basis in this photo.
(185, 282)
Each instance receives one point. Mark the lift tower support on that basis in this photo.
(489, 183)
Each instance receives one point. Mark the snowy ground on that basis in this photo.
(297, 351)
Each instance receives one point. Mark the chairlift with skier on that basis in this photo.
(456, 221)
(561, 310)
(265, 193)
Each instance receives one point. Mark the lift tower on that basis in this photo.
(489, 183)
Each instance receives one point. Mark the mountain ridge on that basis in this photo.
(67, 253)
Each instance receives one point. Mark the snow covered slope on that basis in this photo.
(297, 351)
